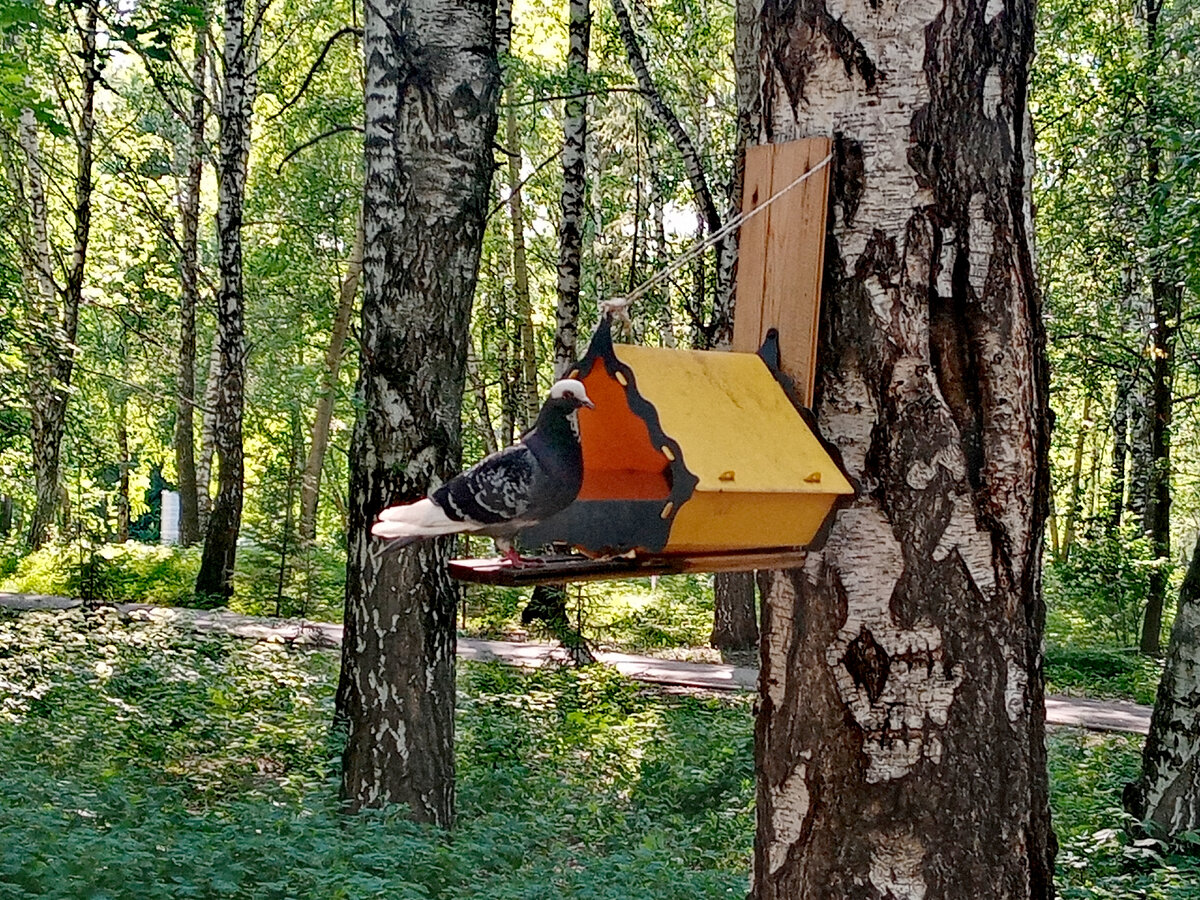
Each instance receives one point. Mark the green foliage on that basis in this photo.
(677, 613)
(136, 761)
(1098, 858)
(1099, 672)
(1097, 597)
(674, 612)
(113, 573)
(140, 761)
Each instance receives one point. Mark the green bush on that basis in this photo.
(136, 761)
(114, 573)
(1098, 596)
(1099, 672)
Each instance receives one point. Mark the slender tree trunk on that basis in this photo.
(189, 301)
(1168, 792)
(528, 397)
(47, 342)
(432, 87)
(570, 252)
(215, 578)
(123, 458)
(1165, 300)
(6, 515)
(901, 723)
(1074, 490)
(310, 481)
(49, 406)
(208, 432)
(1120, 425)
(482, 410)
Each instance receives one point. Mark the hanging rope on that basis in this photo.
(618, 307)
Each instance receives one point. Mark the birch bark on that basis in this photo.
(432, 86)
(570, 252)
(52, 360)
(236, 107)
(189, 302)
(1168, 792)
(901, 711)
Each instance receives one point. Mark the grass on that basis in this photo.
(1102, 672)
(138, 761)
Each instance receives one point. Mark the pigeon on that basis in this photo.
(506, 491)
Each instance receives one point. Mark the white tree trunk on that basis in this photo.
(1168, 792)
(432, 84)
(574, 192)
(901, 713)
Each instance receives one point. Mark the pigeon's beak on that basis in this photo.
(584, 401)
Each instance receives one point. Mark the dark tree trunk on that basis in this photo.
(53, 358)
(432, 87)
(735, 620)
(900, 740)
(1120, 426)
(1165, 300)
(1168, 792)
(6, 515)
(215, 579)
(570, 250)
(189, 301)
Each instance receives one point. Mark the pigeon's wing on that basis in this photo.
(496, 490)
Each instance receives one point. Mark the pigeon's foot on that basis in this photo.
(517, 561)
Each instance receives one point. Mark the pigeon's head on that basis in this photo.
(570, 393)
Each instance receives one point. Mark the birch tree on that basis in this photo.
(1167, 795)
(54, 311)
(432, 83)
(189, 300)
(234, 111)
(574, 192)
(900, 729)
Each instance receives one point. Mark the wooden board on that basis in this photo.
(557, 569)
(781, 254)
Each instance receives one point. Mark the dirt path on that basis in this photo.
(1079, 712)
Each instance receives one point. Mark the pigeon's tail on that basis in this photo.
(416, 520)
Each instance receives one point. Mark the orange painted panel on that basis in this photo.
(620, 462)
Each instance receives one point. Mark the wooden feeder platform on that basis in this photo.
(558, 569)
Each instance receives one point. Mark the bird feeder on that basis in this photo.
(702, 460)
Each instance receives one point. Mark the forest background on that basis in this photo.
(1114, 101)
(110, 259)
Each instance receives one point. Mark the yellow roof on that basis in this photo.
(736, 427)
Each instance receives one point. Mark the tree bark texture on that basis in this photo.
(1120, 429)
(208, 432)
(735, 619)
(189, 302)
(310, 480)
(1168, 792)
(53, 359)
(1166, 298)
(900, 738)
(236, 107)
(574, 192)
(431, 95)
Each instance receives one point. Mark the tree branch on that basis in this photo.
(357, 32)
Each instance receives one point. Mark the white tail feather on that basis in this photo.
(416, 520)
